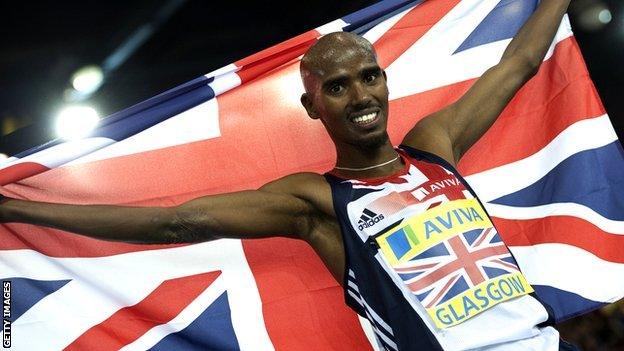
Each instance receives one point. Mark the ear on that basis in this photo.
(306, 101)
(386, 79)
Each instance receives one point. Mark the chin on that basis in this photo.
(374, 141)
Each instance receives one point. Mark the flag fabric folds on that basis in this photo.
(550, 172)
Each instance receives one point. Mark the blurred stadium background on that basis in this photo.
(111, 55)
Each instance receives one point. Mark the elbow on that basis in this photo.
(184, 226)
(523, 66)
(529, 64)
(167, 229)
(532, 67)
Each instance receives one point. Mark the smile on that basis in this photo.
(365, 119)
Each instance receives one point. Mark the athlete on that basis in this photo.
(382, 213)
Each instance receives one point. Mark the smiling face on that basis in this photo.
(346, 89)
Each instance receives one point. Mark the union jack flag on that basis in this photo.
(451, 267)
(188, 303)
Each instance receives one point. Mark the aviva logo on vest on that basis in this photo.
(431, 227)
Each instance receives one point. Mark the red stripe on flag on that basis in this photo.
(275, 56)
(562, 230)
(300, 298)
(409, 29)
(159, 307)
(20, 171)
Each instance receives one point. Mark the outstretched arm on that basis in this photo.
(278, 208)
(450, 132)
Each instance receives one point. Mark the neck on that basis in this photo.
(376, 159)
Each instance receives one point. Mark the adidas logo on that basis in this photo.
(369, 219)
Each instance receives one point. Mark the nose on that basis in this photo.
(360, 96)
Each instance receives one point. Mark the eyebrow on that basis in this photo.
(341, 77)
(370, 69)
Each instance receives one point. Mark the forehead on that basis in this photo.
(343, 61)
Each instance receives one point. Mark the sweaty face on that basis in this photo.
(348, 91)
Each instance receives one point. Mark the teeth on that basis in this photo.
(365, 119)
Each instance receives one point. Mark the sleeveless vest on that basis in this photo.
(427, 268)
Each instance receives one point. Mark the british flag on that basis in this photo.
(187, 303)
(451, 267)
(242, 126)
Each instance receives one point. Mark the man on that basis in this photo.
(372, 220)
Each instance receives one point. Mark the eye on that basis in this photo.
(370, 78)
(336, 89)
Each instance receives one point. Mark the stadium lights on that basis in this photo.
(88, 79)
(594, 16)
(75, 122)
(605, 16)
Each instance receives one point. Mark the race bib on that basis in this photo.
(453, 260)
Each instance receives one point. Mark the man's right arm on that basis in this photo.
(274, 210)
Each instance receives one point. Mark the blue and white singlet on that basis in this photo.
(427, 268)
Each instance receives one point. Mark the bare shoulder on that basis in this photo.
(308, 186)
(430, 134)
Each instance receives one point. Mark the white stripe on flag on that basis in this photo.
(557, 209)
(60, 154)
(583, 135)
(223, 70)
(571, 269)
(379, 30)
(198, 123)
(225, 82)
(333, 26)
(7, 161)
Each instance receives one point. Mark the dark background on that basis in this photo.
(44, 42)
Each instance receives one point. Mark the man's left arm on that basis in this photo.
(449, 133)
